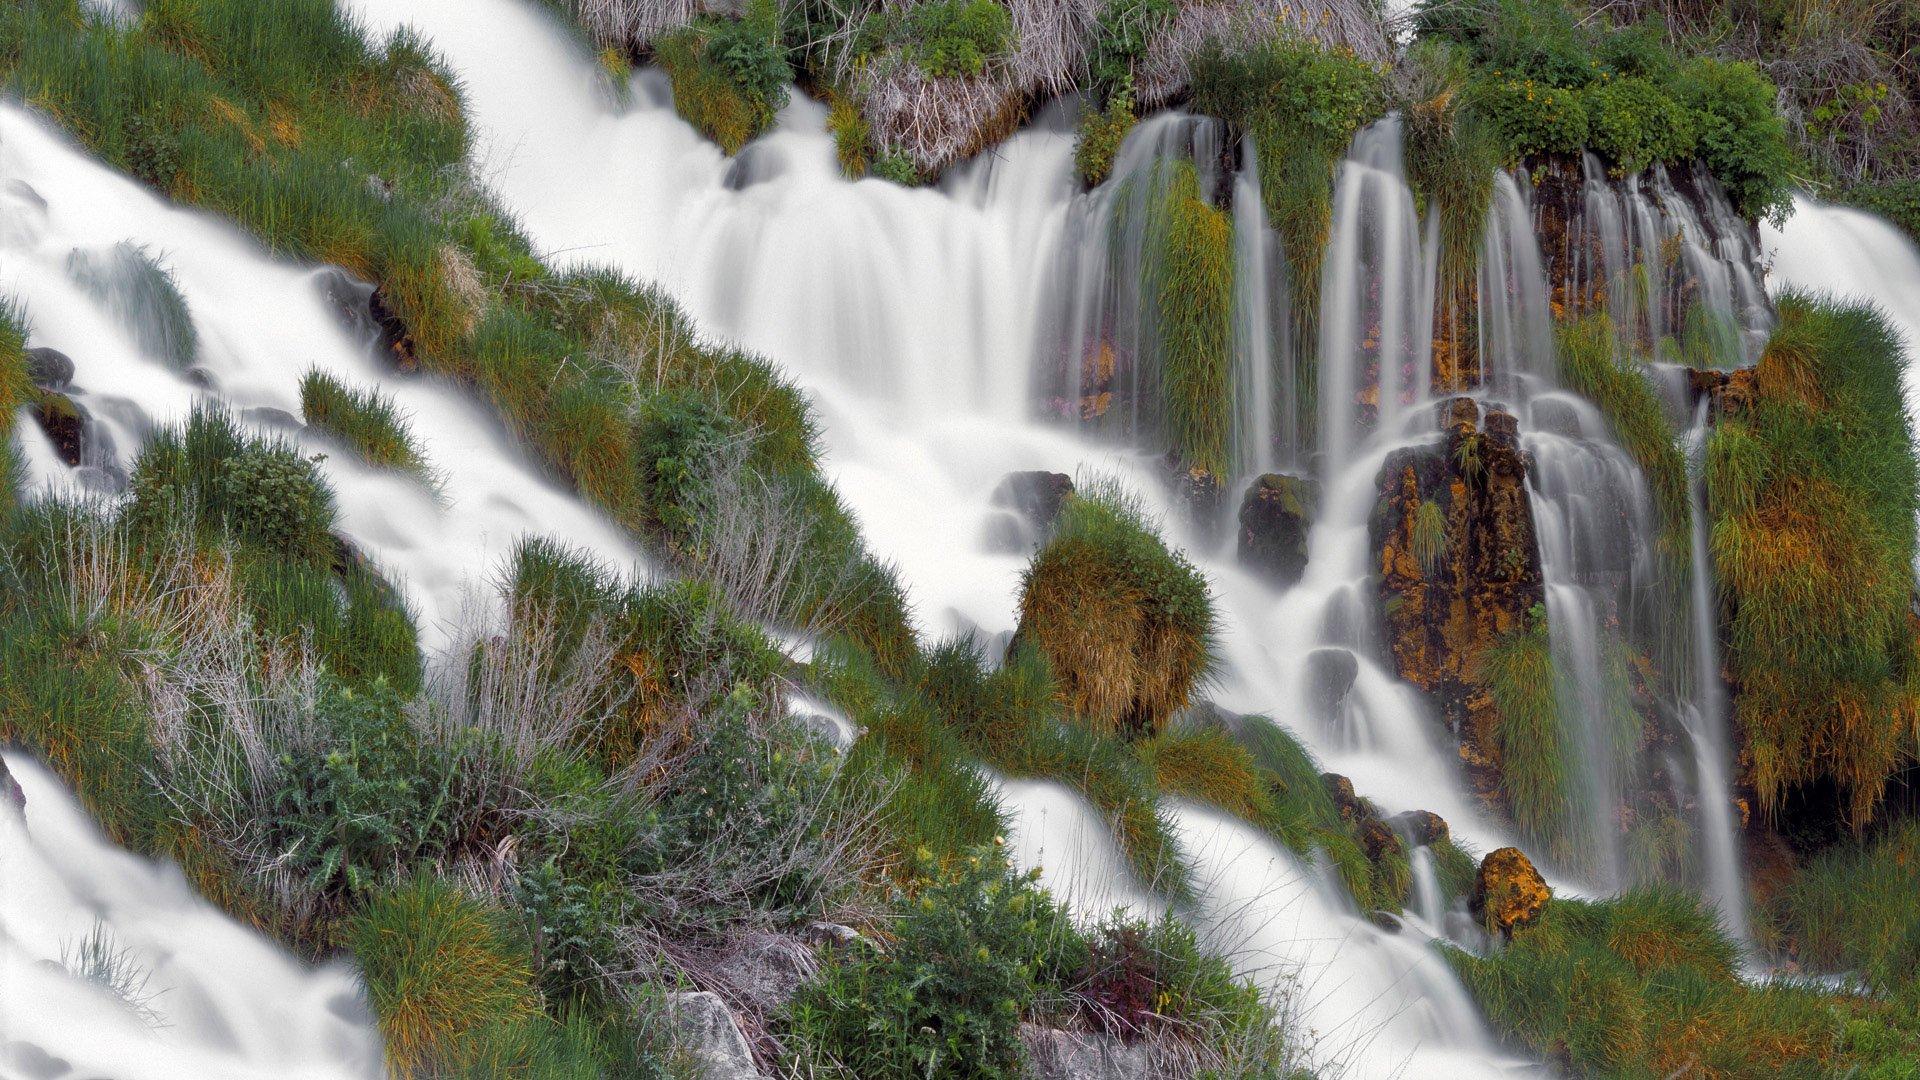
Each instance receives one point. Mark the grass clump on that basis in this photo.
(142, 295)
(1126, 625)
(1646, 985)
(1536, 752)
(1850, 910)
(1101, 132)
(365, 420)
(441, 971)
(1813, 499)
(1192, 272)
(729, 75)
(16, 391)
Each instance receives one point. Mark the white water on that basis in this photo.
(1850, 253)
(199, 997)
(913, 319)
(261, 324)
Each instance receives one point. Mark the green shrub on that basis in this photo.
(1896, 200)
(1100, 135)
(1634, 122)
(973, 943)
(679, 436)
(1120, 41)
(956, 37)
(1532, 118)
(1126, 625)
(366, 421)
(364, 802)
(1740, 135)
(213, 474)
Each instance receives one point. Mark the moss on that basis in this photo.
(1126, 624)
(1813, 500)
(1192, 282)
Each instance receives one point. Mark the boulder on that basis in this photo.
(1330, 675)
(1422, 828)
(1275, 517)
(704, 1028)
(1508, 892)
(1036, 496)
(65, 422)
(395, 338)
(762, 971)
(1054, 1054)
(49, 369)
(10, 793)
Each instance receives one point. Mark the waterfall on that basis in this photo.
(916, 320)
(111, 966)
(1265, 383)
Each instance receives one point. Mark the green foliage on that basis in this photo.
(1191, 272)
(679, 436)
(852, 137)
(1646, 985)
(729, 76)
(972, 944)
(1896, 200)
(951, 37)
(1536, 751)
(366, 421)
(1812, 491)
(1851, 909)
(896, 167)
(1429, 539)
(16, 389)
(1452, 154)
(1302, 105)
(1101, 133)
(212, 474)
(1548, 79)
(1634, 122)
(362, 802)
(1120, 42)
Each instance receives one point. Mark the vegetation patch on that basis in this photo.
(729, 75)
(1126, 625)
(1812, 486)
(1192, 282)
(1536, 751)
(366, 421)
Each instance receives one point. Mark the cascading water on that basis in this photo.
(111, 966)
(916, 320)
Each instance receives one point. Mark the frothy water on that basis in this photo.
(110, 965)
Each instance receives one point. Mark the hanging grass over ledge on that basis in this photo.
(16, 389)
(1536, 753)
(1813, 495)
(366, 421)
(1851, 910)
(1192, 272)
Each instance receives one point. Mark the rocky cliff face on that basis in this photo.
(1459, 563)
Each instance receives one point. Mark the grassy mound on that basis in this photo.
(1851, 910)
(1813, 495)
(1126, 625)
(728, 75)
(365, 421)
(1192, 284)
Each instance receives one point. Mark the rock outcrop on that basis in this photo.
(1508, 892)
(1054, 1054)
(49, 369)
(704, 1027)
(1275, 517)
(1459, 564)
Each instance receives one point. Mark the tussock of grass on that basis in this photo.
(1851, 910)
(1813, 494)
(1126, 625)
(1451, 160)
(366, 421)
(1535, 749)
(718, 86)
(16, 390)
(441, 972)
(142, 295)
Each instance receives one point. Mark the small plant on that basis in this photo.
(1429, 538)
(100, 960)
(1467, 458)
(729, 76)
(852, 137)
(956, 37)
(1101, 133)
(213, 475)
(1121, 38)
(143, 296)
(896, 167)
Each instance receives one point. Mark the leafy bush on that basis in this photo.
(1635, 123)
(973, 944)
(212, 474)
(1532, 118)
(956, 37)
(1740, 135)
(678, 437)
(363, 802)
(1101, 133)
(1120, 41)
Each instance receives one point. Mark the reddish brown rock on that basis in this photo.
(1508, 892)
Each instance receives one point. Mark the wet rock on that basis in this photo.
(1507, 891)
(1054, 1054)
(1199, 491)
(704, 1026)
(1036, 496)
(1275, 516)
(395, 338)
(1555, 417)
(1725, 391)
(1377, 839)
(1459, 567)
(1330, 675)
(49, 369)
(1345, 799)
(10, 793)
(268, 416)
(64, 421)
(1422, 828)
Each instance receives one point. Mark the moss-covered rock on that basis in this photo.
(1508, 892)
(1275, 516)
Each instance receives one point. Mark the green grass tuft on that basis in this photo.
(366, 421)
(1192, 281)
